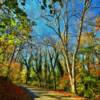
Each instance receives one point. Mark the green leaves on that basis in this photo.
(14, 25)
(9, 39)
(86, 49)
(89, 79)
(13, 22)
(86, 85)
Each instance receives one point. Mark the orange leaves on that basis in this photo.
(18, 90)
(64, 81)
(65, 77)
(15, 65)
(97, 24)
(97, 69)
(15, 70)
(97, 72)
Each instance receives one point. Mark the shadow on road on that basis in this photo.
(32, 94)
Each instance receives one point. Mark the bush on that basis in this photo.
(86, 86)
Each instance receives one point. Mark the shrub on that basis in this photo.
(86, 86)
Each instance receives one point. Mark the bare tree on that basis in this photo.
(60, 18)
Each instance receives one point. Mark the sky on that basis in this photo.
(32, 8)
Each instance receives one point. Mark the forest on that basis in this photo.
(51, 44)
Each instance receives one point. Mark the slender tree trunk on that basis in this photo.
(39, 79)
(45, 85)
(71, 78)
(49, 76)
(86, 6)
(54, 79)
(73, 85)
(27, 76)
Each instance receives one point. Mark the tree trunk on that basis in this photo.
(45, 81)
(27, 76)
(72, 82)
(54, 76)
(70, 74)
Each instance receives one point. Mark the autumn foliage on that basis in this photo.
(9, 91)
(98, 23)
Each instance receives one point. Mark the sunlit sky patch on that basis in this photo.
(33, 11)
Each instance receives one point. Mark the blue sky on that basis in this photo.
(33, 11)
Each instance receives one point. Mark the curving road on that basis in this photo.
(40, 94)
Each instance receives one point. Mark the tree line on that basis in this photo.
(67, 60)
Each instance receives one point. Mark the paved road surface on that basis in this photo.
(40, 94)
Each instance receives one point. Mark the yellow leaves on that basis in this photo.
(13, 23)
(97, 24)
(86, 38)
(9, 39)
(97, 47)
(9, 49)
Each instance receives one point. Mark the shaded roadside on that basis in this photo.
(31, 93)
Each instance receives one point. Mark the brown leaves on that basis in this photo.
(86, 38)
(9, 91)
(97, 24)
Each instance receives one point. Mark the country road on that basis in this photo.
(40, 94)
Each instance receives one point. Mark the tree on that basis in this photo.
(53, 62)
(14, 27)
(59, 20)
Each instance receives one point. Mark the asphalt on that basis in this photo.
(40, 94)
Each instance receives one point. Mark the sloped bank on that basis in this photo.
(9, 91)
